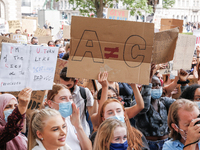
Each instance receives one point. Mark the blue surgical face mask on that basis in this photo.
(120, 118)
(198, 103)
(119, 146)
(156, 93)
(65, 109)
(7, 113)
(58, 45)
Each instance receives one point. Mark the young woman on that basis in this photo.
(47, 130)
(12, 116)
(60, 98)
(112, 134)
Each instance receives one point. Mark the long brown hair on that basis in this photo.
(134, 136)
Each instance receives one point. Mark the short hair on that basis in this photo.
(57, 41)
(188, 93)
(109, 88)
(49, 42)
(66, 56)
(33, 38)
(17, 30)
(63, 75)
(173, 115)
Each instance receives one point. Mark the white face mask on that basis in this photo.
(185, 133)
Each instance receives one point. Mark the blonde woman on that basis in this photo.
(47, 131)
(111, 135)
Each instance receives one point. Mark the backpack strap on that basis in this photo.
(83, 95)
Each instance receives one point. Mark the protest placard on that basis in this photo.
(171, 23)
(59, 35)
(35, 102)
(59, 66)
(6, 40)
(168, 68)
(184, 52)
(117, 14)
(3, 28)
(197, 34)
(27, 66)
(125, 54)
(22, 39)
(40, 32)
(164, 46)
(193, 81)
(29, 25)
(66, 32)
(44, 39)
(14, 25)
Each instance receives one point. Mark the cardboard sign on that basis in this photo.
(197, 34)
(44, 39)
(125, 54)
(66, 32)
(171, 23)
(29, 25)
(117, 14)
(6, 40)
(184, 52)
(59, 66)
(40, 32)
(164, 46)
(14, 25)
(27, 66)
(35, 102)
(22, 39)
(193, 81)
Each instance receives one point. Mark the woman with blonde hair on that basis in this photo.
(47, 130)
(112, 134)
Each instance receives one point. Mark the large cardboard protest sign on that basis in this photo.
(197, 34)
(164, 46)
(59, 66)
(6, 40)
(171, 23)
(123, 48)
(35, 102)
(40, 32)
(22, 39)
(183, 55)
(27, 66)
(29, 25)
(66, 32)
(117, 14)
(44, 39)
(14, 25)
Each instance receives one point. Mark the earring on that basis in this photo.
(41, 139)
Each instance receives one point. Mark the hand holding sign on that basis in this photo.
(24, 97)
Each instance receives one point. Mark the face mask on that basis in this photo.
(156, 93)
(57, 45)
(198, 103)
(120, 118)
(119, 146)
(7, 113)
(185, 133)
(65, 109)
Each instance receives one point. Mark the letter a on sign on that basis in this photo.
(89, 43)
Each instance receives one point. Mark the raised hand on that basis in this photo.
(102, 78)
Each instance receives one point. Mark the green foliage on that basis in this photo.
(168, 3)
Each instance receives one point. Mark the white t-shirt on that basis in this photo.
(79, 101)
(71, 138)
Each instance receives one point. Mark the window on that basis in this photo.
(26, 3)
(193, 2)
(65, 4)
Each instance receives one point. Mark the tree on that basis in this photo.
(135, 6)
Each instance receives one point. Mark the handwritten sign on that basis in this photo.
(14, 25)
(40, 32)
(22, 39)
(6, 40)
(3, 28)
(59, 35)
(117, 14)
(44, 39)
(59, 66)
(184, 52)
(125, 54)
(27, 66)
(164, 46)
(66, 32)
(171, 23)
(29, 25)
(197, 34)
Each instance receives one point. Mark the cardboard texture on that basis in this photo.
(13, 25)
(44, 39)
(123, 48)
(59, 66)
(66, 32)
(22, 39)
(117, 14)
(193, 81)
(6, 40)
(35, 102)
(171, 23)
(184, 52)
(30, 25)
(32, 18)
(164, 46)
(40, 32)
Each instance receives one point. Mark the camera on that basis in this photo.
(198, 122)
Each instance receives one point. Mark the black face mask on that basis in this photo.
(193, 65)
(71, 89)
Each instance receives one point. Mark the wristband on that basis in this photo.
(183, 82)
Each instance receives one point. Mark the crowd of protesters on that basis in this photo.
(161, 115)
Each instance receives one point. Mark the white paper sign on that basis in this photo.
(27, 66)
(197, 34)
(22, 39)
